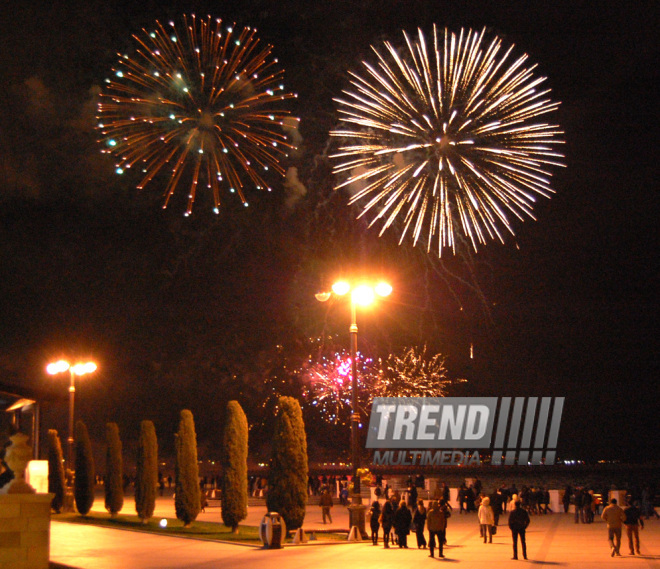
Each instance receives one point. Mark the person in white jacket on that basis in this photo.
(512, 503)
(486, 519)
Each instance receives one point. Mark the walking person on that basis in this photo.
(546, 502)
(374, 521)
(633, 522)
(447, 510)
(444, 492)
(402, 521)
(486, 519)
(566, 498)
(462, 499)
(419, 521)
(496, 501)
(412, 495)
(326, 504)
(387, 521)
(587, 501)
(577, 501)
(436, 522)
(648, 510)
(518, 522)
(470, 497)
(512, 503)
(614, 517)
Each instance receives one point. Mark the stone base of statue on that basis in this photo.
(25, 530)
(356, 515)
(25, 527)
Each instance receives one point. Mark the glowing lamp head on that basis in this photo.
(383, 289)
(363, 295)
(340, 288)
(163, 523)
(322, 296)
(57, 367)
(82, 369)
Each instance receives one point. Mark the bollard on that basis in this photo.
(299, 536)
(354, 534)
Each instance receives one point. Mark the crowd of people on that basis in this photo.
(399, 516)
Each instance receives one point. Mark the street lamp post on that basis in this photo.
(363, 295)
(78, 369)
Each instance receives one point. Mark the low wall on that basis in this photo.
(25, 531)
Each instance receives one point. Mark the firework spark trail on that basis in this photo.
(445, 137)
(414, 373)
(203, 101)
(328, 384)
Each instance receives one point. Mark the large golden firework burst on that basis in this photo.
(201, 103)
(447, 137)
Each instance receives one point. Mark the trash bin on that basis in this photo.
(272, 531)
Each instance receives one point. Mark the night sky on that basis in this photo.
(188, 312)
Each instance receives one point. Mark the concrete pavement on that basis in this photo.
(553, 540)
(165, 509)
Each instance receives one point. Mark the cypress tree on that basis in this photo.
(147, 472)
(114, 488)
(83, 486)
(55, 471)
(234, 480)
(288, 476)
(187, 503)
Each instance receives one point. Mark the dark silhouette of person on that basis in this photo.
(518, 522)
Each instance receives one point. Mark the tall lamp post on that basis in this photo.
(362, 294)
(74, 370)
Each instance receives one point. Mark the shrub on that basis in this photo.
(83, 486)
(234, 481)
(114, 488)
(288, 476)
(56, 478)
(147, 472)
(188, 497)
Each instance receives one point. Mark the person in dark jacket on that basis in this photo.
(587, 500)
(436, 522)
(402, 521)
(387, 521)
(444, 492)
(326, 504)
(470, 498)
(566, 498)
(412, 496)
(633, 522)
(578, 496)
(374, 521)
(518, 522)
(496, 501)
(419, 521)
(462, 498)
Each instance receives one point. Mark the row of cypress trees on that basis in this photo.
(287, 482)
(187, 472)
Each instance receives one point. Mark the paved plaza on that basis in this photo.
(552, 540)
